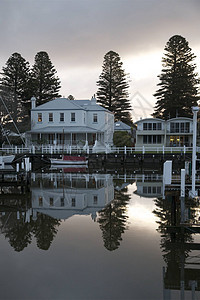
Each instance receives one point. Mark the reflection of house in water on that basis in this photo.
(149, 185)
(62, 195)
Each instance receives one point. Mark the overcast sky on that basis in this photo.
(77, 34)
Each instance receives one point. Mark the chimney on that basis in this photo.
(33, 102)
(93, 100)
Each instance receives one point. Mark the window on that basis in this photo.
(154, 190)
(61, 117)
(149, 126)
(40, 201)
(145, 126)
(159, 139)
(73, 138)
(51, 138)
(177, 127)
(149, 139)
(172, 127)
(95, 199)
(73, 117)
(187, 127)
(158, 126)
(145, 189)
(152, 139)
(62, 201)
(182, 127)
(50, 117)
(39, 117)
(159, 189)
(95, 120)
(73, 202)
(154, 126)
(145, 139)
(51, 201)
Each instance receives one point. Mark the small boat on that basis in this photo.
(69, 168)
(6, 159)
(69, 160)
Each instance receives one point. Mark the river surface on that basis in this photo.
(82, 236)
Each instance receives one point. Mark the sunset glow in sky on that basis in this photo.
(78, 33)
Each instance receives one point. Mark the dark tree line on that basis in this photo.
(20, 234)
(177, 89)
(19, 82)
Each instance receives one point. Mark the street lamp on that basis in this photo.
(193, 192)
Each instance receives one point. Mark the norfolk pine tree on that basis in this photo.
(46, 84)
(112, 93)
(178, 90)
(15, 85)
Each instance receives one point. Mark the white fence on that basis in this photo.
(49, 149)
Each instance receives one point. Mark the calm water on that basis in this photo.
(94, 236)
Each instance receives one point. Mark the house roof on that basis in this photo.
(66, 104)
(180, 118)
(121, 126)
(67, 129)
(150, 119)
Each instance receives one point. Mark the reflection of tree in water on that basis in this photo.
(19, 233)
(44, 230)
(173, 236)
(113, 220)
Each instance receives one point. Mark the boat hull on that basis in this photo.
(69, 160)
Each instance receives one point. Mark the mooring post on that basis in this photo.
(167, 174)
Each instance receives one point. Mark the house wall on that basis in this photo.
(79, 118)
(156, 133)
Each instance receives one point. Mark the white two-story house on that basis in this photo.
(70, 122)
(176, 132)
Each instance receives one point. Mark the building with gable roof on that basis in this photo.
(70, 122)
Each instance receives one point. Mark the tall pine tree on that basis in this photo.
(177, 91)
(15, 85)
(113, 88)
(46, 84)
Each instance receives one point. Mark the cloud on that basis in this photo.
(77, 34)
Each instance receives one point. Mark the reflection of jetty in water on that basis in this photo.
(64, 195)
(180, 252)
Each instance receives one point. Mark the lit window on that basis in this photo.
(61, 117)
(39, 117)
(73, 117)
(95, 120)
(50, 117)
